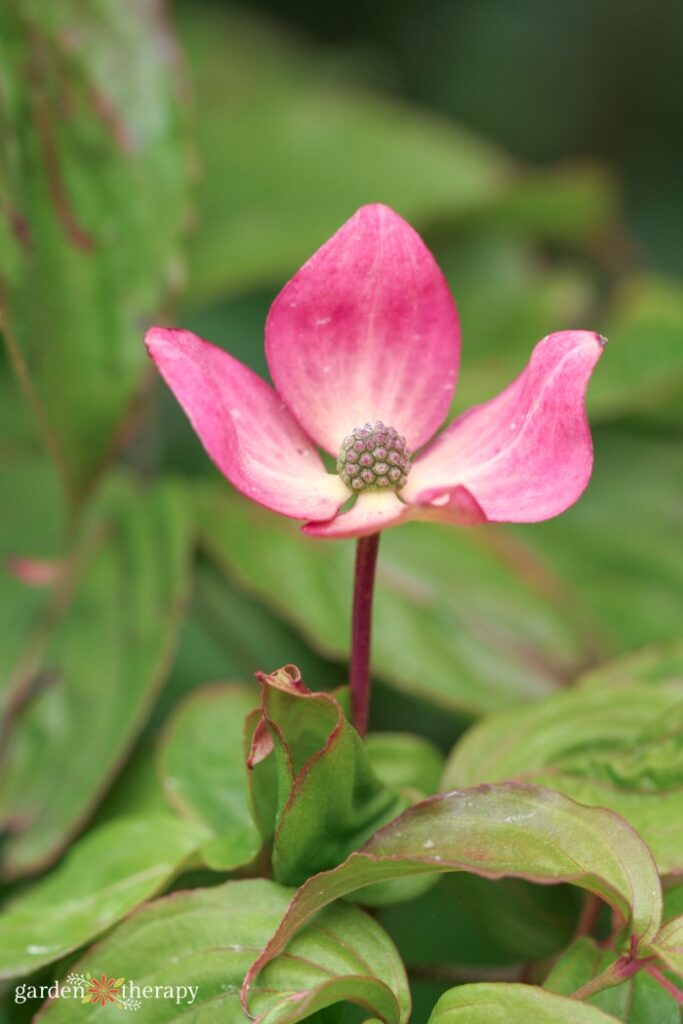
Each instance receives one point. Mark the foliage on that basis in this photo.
(169, 803)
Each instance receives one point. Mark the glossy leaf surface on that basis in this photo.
(94, 186)
(105, 875)
(495, 1003)
(639, 1000)
(213, 935)
(618, 746)
(204, 775)
(104, 646)
(329, 800)
(496, 831)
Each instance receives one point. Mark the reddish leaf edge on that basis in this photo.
(286, 930)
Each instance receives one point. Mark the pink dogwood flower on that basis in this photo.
(363, 346)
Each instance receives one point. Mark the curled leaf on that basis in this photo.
(495, 831)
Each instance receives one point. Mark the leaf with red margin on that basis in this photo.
(496, 831)
(614, 746)
(669, 944)
(486, 1003)
(207, 938)
(637, 1000)
(94, 253)
(329, 800)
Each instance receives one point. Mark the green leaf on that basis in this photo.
(105, 875)
(103, 649)
(673, 900)
(406, 763)
(137, 790)
(573, 202)
(496, 831)
(329, 799)
(619, 747)
(208, 937)
(642, 372)
(639, 1000)
(473, 636)
(496, 1002)
(201, 762)
(643, 368)
(531, 300)
(658, 663)
(669, 944)
(32, 520)
(530, 921)
(472, 921)
(228, 635)
(94, 182)
(631, 592)
(335, 147)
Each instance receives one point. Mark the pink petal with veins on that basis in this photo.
(245, 427)
(367, 330)
(526, 455)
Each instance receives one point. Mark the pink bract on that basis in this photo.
(367, 332)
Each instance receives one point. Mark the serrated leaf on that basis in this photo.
(95, 185)
(638, 1000)
(203, 771)
(105, 648)
(208, 937)
(491, 1003)
(496, 831)
(106, 874)
(619, 747)
(329, 801)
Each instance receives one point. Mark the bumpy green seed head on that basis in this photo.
(374, 458)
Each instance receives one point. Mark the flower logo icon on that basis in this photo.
(104, 990)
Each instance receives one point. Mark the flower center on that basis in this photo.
(372, 458)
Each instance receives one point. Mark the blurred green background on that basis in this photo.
(548, 81)
(178, 167)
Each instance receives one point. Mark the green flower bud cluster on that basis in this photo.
(374, 458)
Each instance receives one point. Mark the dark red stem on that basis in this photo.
(361, 630)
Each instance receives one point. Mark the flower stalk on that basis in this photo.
(361, 630)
